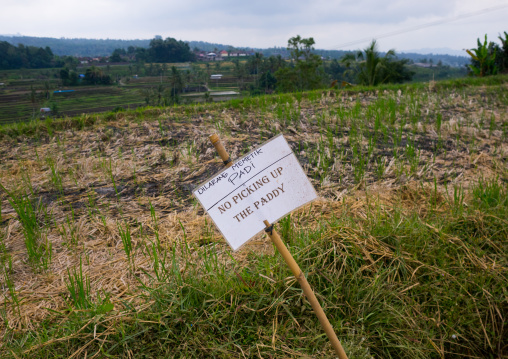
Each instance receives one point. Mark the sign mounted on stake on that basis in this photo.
(266, 184)
(274, 156)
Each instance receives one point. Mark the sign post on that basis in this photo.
(263, 186)
(307, 290)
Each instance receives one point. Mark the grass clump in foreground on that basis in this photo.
(33, 217)
(404, 276)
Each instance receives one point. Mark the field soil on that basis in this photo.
(417, 151)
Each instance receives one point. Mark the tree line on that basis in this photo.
(75, 46)
(105, 47)
(29, 57)
(95, 47)
(306, 70)
(158, 51)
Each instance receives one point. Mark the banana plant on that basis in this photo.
(503, 55)
(483, 59)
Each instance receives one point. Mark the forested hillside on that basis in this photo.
(105, 47)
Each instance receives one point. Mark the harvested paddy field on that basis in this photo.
(104, 251)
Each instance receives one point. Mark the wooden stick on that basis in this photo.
(307, 290)
(221, 150)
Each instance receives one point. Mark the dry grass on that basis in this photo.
(109, 173)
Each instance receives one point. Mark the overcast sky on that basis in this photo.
(262, 23)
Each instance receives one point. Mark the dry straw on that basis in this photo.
(111, 173)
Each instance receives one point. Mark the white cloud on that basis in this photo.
(260, 23)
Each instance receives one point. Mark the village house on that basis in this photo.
(422, 64)
(220, 56)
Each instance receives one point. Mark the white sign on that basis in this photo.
(268, 183)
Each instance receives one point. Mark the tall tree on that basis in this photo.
(300, 48)
(240, 72)
(253, 64)
(116, 56)
(169, 50)
(177, 81)
(12, 57)
(95, 76)
(306, 72)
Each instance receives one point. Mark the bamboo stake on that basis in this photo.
(221, 150)
(288, 258)
(307, 290)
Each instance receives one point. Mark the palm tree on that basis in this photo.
(93, 75)
(239, 72)
(370, 64)
(257, 60)
(177, 82)
(33, 99)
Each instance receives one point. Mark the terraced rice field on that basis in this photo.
(17, 103)
(104, 252)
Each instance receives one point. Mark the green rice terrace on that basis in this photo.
(105, 253)
(24, 92)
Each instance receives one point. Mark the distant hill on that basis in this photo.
(450, 60)
(104, 47)
(439, 51)
(75, 47)
(95, 47)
